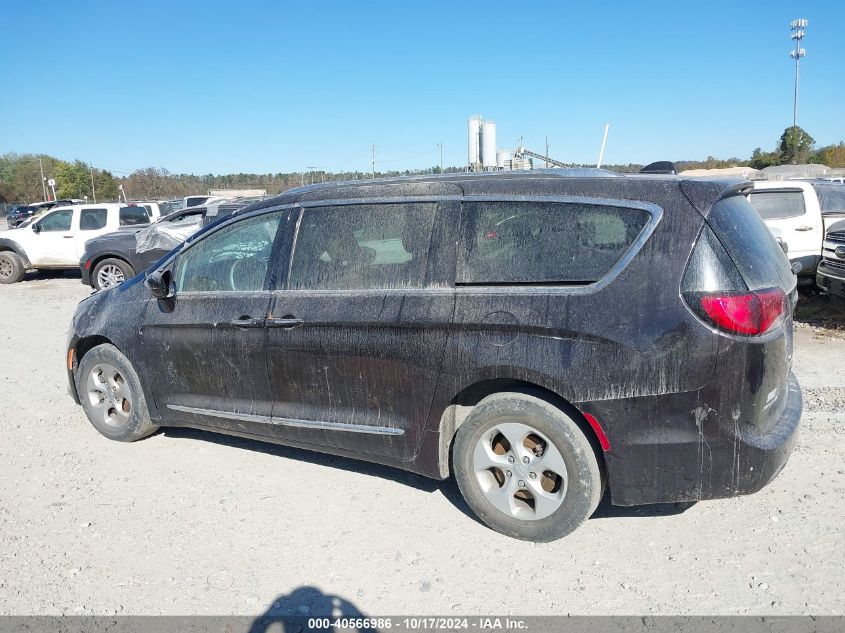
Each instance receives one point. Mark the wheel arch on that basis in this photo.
(464, 401)
(9, 245)
(97, 259)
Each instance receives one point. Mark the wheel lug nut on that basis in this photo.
(510, 459)
(521, 484)
(508, 473)
(525, 460)
(533, 475)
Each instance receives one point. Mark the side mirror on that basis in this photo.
(160, 284)
(36, 227)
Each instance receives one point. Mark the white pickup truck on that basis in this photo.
(56, 240)
(796, 212)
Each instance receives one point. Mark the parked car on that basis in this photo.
(112, 258)
(18, 213)
(796, 212)
(57, 239)
(155, 210)
(541, 336)
(830, 277)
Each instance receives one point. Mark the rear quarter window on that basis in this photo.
(778, 204)
(755, 252)
(544, 242)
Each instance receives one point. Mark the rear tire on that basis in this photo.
(111, 272)
(12, 269)
(526, 468)
(111, 395)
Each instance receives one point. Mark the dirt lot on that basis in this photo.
(188, 522)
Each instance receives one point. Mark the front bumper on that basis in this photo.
(684, 452)
(831, 285)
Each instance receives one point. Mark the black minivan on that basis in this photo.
(541, 335)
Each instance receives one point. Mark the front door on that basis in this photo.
(53, 243)
(204, 347)
(356, 342)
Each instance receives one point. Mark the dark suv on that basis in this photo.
(540, 335)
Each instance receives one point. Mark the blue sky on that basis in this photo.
(219, 87)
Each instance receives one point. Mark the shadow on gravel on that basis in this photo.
(607, 511)
(72, 273)
(448, 488)
(819, 310)
(292, 612)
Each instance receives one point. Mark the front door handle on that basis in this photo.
(245, 322)
(286, 322)
(804, 228)
(68, 237)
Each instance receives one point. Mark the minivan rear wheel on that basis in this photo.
(111, 395)
(526, 468)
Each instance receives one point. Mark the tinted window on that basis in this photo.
(195, 200)
(130, 216)
(758, 257)
(234, 258)
(778, 204)
(57, 221)
(831, 197)
(92, 219)
(374, 246)
(531, 242)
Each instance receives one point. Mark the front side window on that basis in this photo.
(92, 219)
(131, 216)
(778, 204)
(234, 259)
(543, 242)
(362, 247)
(57, 221)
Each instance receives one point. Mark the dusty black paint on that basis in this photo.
(688, 411)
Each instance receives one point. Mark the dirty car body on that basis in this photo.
(678, 402)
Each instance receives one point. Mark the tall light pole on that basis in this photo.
(797, 28)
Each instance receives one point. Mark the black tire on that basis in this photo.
(126, 270)
(113, 417)
(12, 269)
(583, 483)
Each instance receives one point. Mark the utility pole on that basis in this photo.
(440, 145)
(94, 193)
(547, 152)
(43, 180)
(373, 148)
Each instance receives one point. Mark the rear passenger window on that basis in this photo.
(130, 216)
(543, 242)
(374, 246)
(779, 204)
(92, 219)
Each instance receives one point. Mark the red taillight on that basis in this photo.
(744, 313)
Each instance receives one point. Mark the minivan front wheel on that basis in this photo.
(526, 468)
(111, 395)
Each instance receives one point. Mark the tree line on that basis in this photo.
(20, 174)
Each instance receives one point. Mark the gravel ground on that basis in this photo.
(191, 523)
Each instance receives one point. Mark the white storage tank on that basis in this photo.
(474, 140)
(488, 144)
(503, 158)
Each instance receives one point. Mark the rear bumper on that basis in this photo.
(677, 449)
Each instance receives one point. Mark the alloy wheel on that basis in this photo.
(520, 471)
(109, 275)
(109, 394)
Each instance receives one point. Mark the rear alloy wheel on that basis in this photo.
(111, 272)
(111, 395)
(526, 468)
(12, 269)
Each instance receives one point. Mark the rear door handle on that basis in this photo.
(286, 322)
(803, 228)
(68, 237)
(245, 322)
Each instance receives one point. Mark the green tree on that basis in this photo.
(73, 180)
(796, 146)
(831, 155)
(761, 159)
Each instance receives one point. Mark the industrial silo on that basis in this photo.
(488, 144)
(503, 159)
(474, 138)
